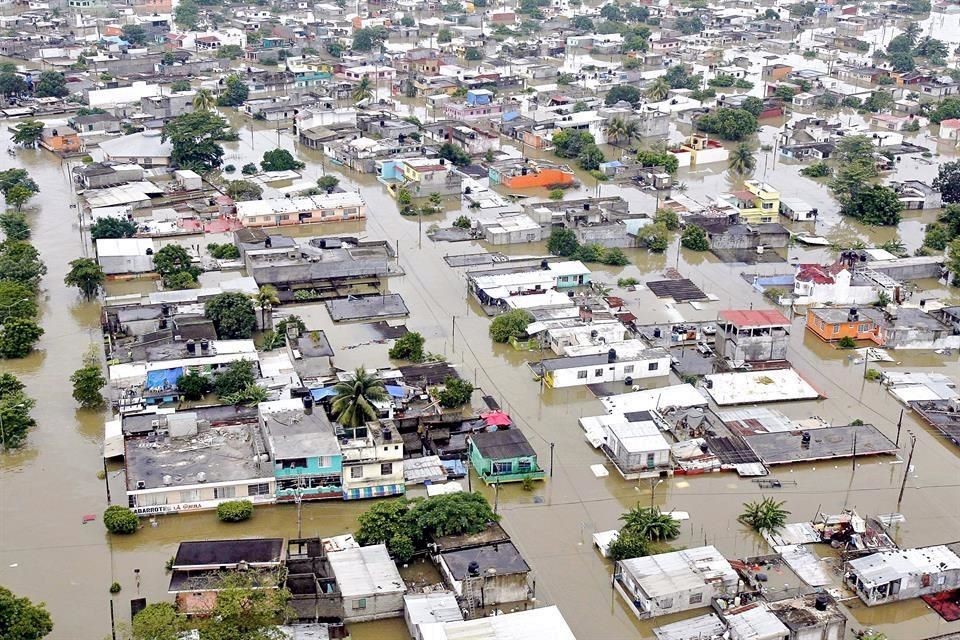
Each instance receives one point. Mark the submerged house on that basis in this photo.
(503, 456)
(753, 336)
(672, 582)
(901, 574)
(486, 575)
(369, 583)
(633, 442)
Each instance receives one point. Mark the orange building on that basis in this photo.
(62, 140)
(515, 174)
(835, 323)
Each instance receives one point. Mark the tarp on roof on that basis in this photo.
(322, 392)
(496, 419)
(164, 378)
(394, 390)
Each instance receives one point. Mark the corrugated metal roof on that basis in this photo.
(365, 571)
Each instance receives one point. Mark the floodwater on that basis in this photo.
(46, 552)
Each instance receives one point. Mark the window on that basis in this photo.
(524, 466)
(836, 328)
(224, 493)
(597, 373)
(190, 495)
(863, 327)
(651, 458)
(500, 468)
(386, 468)
(360, 603)
(666, 603)
(260, 489)
(356, 472)
(581, 375)
(653, 366)
(628, 368)
(294, 463)
(696, 598)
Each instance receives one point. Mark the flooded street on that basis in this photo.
(47, 554)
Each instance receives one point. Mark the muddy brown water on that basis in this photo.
(46, 552)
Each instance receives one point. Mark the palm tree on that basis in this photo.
(650, 523)
(742, 160)
(265, 298)
(658, 90)
(621, 129)
(352, 404)
(204, 100)
(913, 32)
(768, 515)
(363, 90)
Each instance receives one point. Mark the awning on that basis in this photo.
(496, 419)
(322, 392)
(164, 378)
(395, 391)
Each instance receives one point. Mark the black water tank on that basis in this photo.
(191, 347)
(657, 333)
(612, 355)
(821, 602)
(544, 265)
(628, 381)
(204, 345)
(473, 568)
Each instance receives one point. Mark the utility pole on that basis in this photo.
(551, 459)
(453, 334)
(854, 457)
(906, 473)
(899, 424)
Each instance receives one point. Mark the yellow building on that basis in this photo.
(758, 202)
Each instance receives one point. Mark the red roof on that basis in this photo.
(952, 123)
(496, 419)
(818, 273)
(754, 317)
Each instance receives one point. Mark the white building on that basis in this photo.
(835, 284)
(634, 444)
(890, 576)
(600, 333)
(625, 361)
(425, 613)
(369, 583)
(372, 463)
(668, 583)
(278, 212)
(148, 149)
(125, 255)
(106, 98)
(543, 623)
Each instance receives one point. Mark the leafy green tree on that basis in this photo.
(251, 395)
(946, 109)
(86, 275)
(51, 84)
(353, 403)
(678, 78)
(187, 15)
(621, 130)
(232, 314)
(952, 262)
(120, 520)
(689, 25)
(650, 523)
(628, 545)
(18, 195)
(245, 611)
(267, 296)
(244, 190)
(158, 621)
(12, 85)
(816, 170)
(450, 514)
(729, 124)
(767, 515)
(237, 376)
(902, 62)
(937, 237)
(204, 100)
(17, 300)
(932, 49)
(581, 23)
(947, 181)
(181, 280)
(179, 86)
(562, 242)
(18, 336)
(472, 53)
(511, 324)
(454, 153)
(694, 238)
(328, 183)
(194, 137)
(111, 227)
(28, 133)
(134, 34)
(16, 178)
(655, 237)
(387, 522)
(280, 160)
(194, 385)
(590, 158)
(15, 408)
(614, 257)
(88, 382)
(456, 392)
(742, 161)
(20, 262)
(225, 251)
(611, 13)
(409, 346)
(14, 225)
(668, 218)
(20, 619)
(368, 38)
(569, 143)
(236, 92)
(173, 259)
(874, 205)
(444, 36)
(622, 92)
(656, 158)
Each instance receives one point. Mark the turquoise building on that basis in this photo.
(303, 449)
(503, 456)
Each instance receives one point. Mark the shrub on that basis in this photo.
(627, 282)
(816, 170)
(872, 374)
(628, 545)
(456, 392)
(614, 257)
(527, 483)
(510, 325)
(462, 222)
(234, 510)
(846, 342)
(409, 346)
(115, 587)
(248, 169)
(225, 251)
(556, 194)
(695, 238)
(120, 520)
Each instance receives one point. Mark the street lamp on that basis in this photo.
(653, 489)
